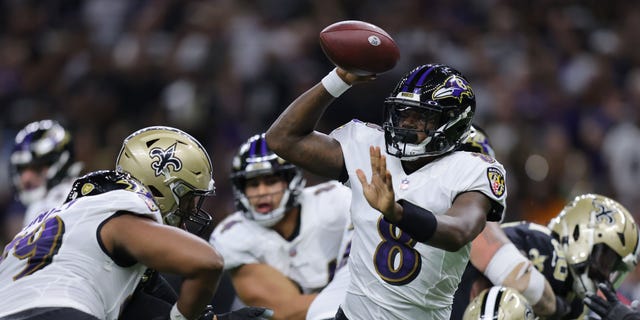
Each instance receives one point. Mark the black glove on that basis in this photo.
(612, 308)
(246, 313)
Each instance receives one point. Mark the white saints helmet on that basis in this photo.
(600, 241)
(499, 303)
(175, 168)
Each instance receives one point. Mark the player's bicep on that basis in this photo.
(318, 153)
(463, 221)
(163, 248)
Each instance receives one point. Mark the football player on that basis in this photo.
(499, 302)
(42, 167)
(83, 259)
(281, 246)
(496, 257)
(593, 240)
(415, 208)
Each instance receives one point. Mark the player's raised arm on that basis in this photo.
(348, 45)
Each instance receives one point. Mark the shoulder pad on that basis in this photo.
(103, 181)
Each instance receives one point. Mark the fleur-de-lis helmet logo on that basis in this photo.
(164, 159)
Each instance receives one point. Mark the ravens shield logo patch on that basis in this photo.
(496, 181)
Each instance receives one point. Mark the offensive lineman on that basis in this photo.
(83, 259)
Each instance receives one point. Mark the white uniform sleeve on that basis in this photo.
(232, 239)
(486, 175)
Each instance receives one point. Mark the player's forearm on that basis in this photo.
(291, 308)
(196, 292)
(452, 233)
(546, 306)
(444, 232)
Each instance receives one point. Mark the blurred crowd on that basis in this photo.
(557, 82)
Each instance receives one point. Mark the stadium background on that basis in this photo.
(557, 82)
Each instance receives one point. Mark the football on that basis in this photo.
(359, 47)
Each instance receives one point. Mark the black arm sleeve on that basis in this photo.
(416, 221)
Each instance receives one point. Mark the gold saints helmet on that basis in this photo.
(600, 241)
(175, 168)
(499, 303)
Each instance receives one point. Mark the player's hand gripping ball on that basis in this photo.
(359, 47)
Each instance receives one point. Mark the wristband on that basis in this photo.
(334, 84)
(418, 222)
(175, 314)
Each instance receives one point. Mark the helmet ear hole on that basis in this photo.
(576, 233)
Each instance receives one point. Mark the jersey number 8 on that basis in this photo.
(395, 259)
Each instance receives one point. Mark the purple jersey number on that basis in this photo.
(395, 259)
(38, 247)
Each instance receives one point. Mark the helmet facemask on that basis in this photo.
(189, 214)
(413, 132)
(428, 113)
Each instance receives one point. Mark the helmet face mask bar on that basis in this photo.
(177, 171)
(428, 113)
(190, 215)
(254, 159)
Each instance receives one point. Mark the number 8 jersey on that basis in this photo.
(392, 275)
(58, 260)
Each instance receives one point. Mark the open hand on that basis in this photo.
(379, 193)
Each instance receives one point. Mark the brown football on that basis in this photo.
(359, 47)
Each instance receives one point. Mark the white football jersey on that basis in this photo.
(54, 197)
(326, 303)
(392, 275)
(58, 261)
(310, 258)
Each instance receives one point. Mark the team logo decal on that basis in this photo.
(87, 188)
(496, 180)
(454, 87)
(165, 159)
(603, 214)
